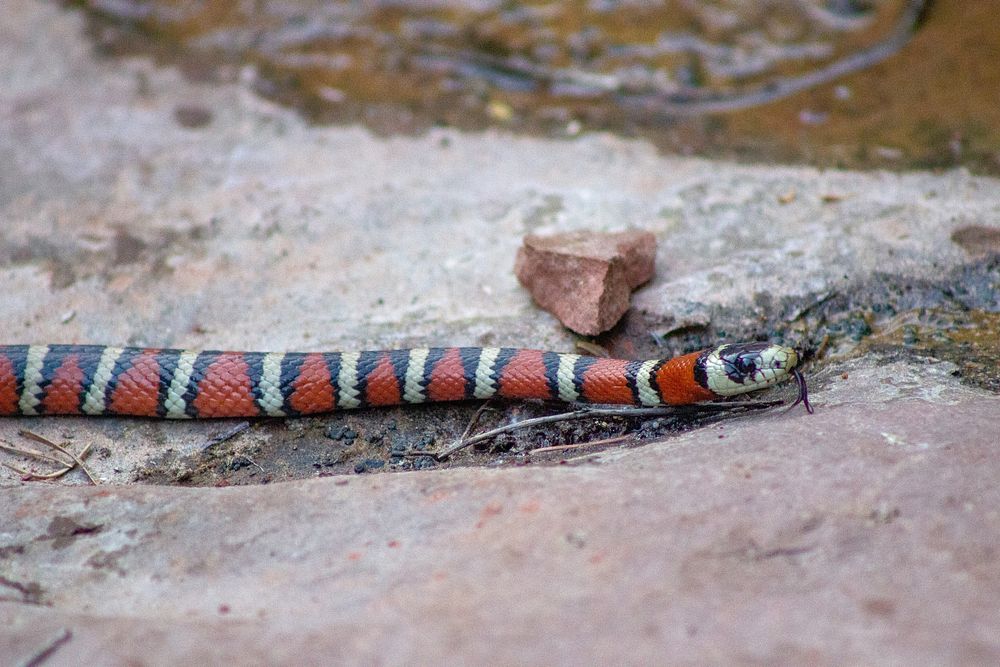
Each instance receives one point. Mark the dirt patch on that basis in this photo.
(959, 306)
(970, 340)
(392, 439)
(977, 240)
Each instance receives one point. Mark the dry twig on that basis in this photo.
(228, 434)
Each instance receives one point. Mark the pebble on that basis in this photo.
(343, 433)
(368, 464)
(424, 462)
(585, 278)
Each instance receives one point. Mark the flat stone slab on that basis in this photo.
(772, 539)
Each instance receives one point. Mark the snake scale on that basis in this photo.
(180, 384)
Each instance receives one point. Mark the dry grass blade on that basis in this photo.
(27, 475)
(581, 445)
(24, 451)
(66, 466)
(468, 442)
(474, 420)
(78, 459)
(588, 411)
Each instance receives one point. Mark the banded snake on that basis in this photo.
(178, 384)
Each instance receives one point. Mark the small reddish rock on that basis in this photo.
(585, 278)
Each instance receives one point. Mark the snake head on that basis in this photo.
(741, 367)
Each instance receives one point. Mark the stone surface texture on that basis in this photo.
(868, 533)
(586, 278)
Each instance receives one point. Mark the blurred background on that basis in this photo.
(895, 84)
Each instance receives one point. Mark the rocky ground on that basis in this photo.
(138, 207)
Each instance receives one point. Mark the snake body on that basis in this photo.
(180, 384)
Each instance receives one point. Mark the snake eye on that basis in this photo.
(745, 365)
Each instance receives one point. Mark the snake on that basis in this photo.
(183, 384)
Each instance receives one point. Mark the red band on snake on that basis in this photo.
(177, 384)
